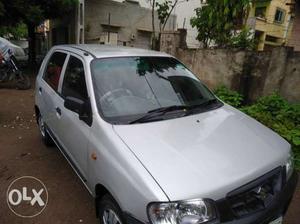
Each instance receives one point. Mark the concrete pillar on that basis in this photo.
(79, 23)
(182, 38)
(261, 42)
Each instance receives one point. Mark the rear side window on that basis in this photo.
(74, 84)
(54, 68)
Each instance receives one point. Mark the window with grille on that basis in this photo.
(279, 16)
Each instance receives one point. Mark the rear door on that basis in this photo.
(74, 133)
(48, 89)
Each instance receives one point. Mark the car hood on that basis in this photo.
(205, 155)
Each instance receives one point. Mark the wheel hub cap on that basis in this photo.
(110, 217)
(42, 126)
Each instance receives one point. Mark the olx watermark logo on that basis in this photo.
(27, 196)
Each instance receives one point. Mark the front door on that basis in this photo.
(74, 133)
(48, 89)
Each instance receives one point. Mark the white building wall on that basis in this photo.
(126, 22)
(185, 10)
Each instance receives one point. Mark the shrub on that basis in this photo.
(243, 40)
(230, 97)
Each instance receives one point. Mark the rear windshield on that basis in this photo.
(128, 87)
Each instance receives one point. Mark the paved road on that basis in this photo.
(22, 153)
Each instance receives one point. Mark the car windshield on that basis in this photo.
(127, 88)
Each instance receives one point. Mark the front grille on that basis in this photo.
(256, 195)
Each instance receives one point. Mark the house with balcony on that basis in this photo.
(272, 21)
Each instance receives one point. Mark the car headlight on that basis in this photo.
(183, 212)
(289, 166)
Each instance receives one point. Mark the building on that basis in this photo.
(294, 38)
(271, 20)
(184, 11)
(68, 29)
(124, 23)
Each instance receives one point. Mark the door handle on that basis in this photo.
(58, 111)
(40, 90)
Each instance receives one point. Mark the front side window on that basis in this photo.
(74, 84)
(279, 16)
(54, 68)
(129, 87)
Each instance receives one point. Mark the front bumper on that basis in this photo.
(277, 208)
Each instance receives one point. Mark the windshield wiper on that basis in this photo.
(157, 114)
(202, 105)
(205, 103)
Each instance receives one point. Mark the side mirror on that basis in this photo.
(82, 108)
(74, 104)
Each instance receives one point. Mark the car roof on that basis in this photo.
(102, 51)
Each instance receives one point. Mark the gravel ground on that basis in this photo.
(22, 153)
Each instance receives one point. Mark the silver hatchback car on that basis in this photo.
(153, 144)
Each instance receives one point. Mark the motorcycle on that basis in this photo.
(9, 71)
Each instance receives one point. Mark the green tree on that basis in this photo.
(243, 40)
(33, 13)
(218, 21)
(165, 9)
(18, 31)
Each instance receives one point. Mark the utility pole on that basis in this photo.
(108, 37)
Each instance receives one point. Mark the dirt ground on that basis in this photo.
(22, 153)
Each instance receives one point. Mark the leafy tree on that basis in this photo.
(164, 10)
(243, 40)
(217, 21)
(33, 13)
(18, 31)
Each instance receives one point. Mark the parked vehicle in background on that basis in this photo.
(22, 59)
(153, 144)
(19, 53)
(9, 70)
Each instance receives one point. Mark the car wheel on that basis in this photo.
(109, 211)
(44, 133)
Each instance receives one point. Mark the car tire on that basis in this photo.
(109, 211)
(43, 132)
